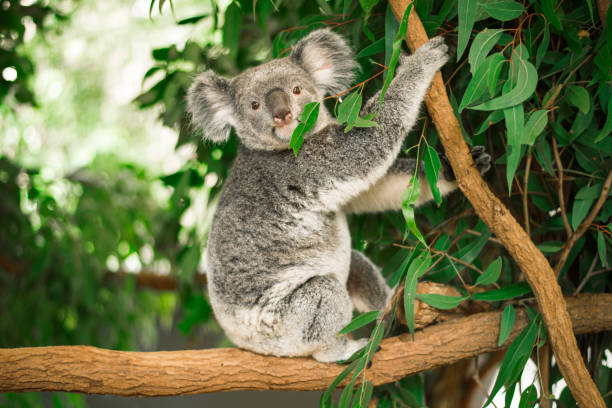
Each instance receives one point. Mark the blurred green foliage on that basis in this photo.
(531, 82)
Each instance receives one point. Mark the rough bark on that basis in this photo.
(500, 221)
(97, 371)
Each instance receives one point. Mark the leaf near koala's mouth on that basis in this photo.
(309, 117)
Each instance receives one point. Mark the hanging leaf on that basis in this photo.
(514, 124)
(491, 274)
(478, 84)
(505, 293)
(432, 168)
(363, 394)
(441, 302)
(503, 10)
(308, 119)
(582, 203)
(411, 195)
(602, 249)
(481, 46)
(534, 126)
(360, 321)
(372, 49)
(466, 12)
(505, 325)
(529, 397)
(231, 28)
(524, 86)
(548, 8)
(579, 97)
(397, 46)
(326, 398)
(417, 268)
(515, 359)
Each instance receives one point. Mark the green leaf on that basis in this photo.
(548, 8)
(505, 325)
(491, 274)
(515, 118)
(231, 28)
(550, 247)
(346, 7)
(515, 359)
(495, 71)
(481, 46)
(360, 321)
(410, 196)
(326, 398)
(524, 86)
(582, 203)
(492, 119)
(534, 126)
(364, 123)
(529, 397)
(417, 268)
(505, 293)
(602, 249)
(441, 302)
(466, 10)
(579, 97)
(397, 46)
(347, 394)
(372, 49)
(478, 84)
(351, 110)
(432, 168)
(364, 394)
(307, 121)
(607, 127)
(543, 47)
(503, 10)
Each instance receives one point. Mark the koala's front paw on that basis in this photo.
(481, 158)
(433, 54)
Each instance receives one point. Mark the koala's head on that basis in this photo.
(264, 102)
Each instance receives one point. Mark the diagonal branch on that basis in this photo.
(500, 221)
(573, 238)
(98, 371)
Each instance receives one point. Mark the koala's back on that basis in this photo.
(266, 239)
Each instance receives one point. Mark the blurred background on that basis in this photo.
(106, 193)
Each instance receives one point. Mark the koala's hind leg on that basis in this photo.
(319, 309)
(366, 286)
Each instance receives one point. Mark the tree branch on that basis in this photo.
(98, 371)
(500, 221)
(567, 247)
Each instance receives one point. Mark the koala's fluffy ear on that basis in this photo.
(209, 100)
(328, 59)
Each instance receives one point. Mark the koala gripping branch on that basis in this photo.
(146, 374)
(500, 221)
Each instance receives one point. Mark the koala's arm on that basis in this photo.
(387, 193)
(348, 164)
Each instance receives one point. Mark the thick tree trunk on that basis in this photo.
(98, 371)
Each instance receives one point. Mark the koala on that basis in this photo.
(282, 277)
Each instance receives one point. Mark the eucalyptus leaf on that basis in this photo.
(360, 321)
(506, 323)
(491, 275)
(441, 302)
(417, 268)
(481, 46)
(503, 10)
(466, 11)
(505, 293)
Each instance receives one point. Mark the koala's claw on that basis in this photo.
(481, 158)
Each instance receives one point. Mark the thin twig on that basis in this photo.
(585, 224)
(588, 276)
(526, 193)
(568, 229)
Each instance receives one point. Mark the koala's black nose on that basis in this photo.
(277, 102)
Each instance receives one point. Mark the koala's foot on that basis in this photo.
(431, 56)
(481, 158)
(341, 350)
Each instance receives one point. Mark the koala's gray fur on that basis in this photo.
(282, 277)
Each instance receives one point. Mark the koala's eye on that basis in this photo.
(297, 90)
(255, 105)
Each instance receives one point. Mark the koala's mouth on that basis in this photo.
(284, 132)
